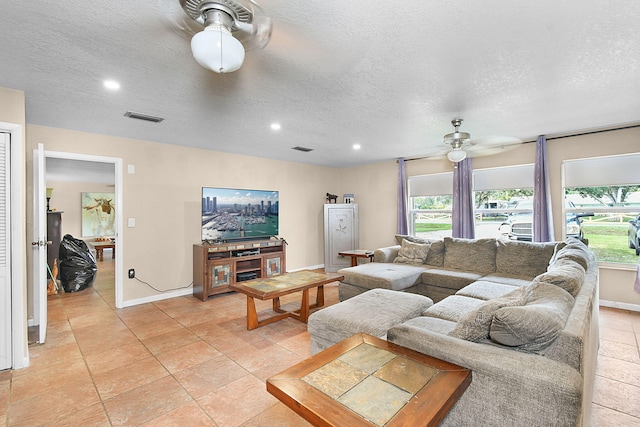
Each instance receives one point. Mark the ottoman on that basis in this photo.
(373, 312)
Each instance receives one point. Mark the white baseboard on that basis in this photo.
(620, 305)
(311, 267)
(158, 297)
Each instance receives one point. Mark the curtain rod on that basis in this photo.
(561, 136)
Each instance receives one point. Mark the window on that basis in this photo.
(504, 202)
(430, 198)
(604, 205)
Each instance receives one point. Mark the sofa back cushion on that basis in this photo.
(535, 325)
(564, 273)
(523, 258)
(412, 253)
(477, 255)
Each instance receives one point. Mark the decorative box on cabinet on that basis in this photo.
(216, 266)
(340, 234)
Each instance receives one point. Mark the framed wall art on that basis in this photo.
(98, 214)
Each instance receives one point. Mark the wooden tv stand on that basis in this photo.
(216, 266)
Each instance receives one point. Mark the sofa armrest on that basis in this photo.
(511, 388)
(387, 254)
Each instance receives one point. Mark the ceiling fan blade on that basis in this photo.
(255, 35)
(479, 151)
(493, 141)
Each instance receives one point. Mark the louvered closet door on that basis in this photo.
(5, 254)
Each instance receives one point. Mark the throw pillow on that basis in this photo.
(535, 325)
(475, 325)
(412, 253)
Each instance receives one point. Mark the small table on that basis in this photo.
(272, 288)
(357, 253)
(100, 246)
(367, 381)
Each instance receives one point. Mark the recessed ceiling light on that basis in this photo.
(275, 126)
(356, 146)
(111, 84)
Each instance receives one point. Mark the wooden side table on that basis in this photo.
(357, 253)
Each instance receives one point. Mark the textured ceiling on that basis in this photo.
(389, 76)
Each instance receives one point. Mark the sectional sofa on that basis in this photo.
(522, 316)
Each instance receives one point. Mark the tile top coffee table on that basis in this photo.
(367, 381)
(272, 288)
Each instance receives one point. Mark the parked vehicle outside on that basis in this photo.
(634, 234)
(519, 225)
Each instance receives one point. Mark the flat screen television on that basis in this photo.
(237, 214)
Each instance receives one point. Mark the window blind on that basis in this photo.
(437, 184)
(503, 178)
(601, 171)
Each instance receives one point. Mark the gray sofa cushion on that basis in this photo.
(449, 278)
(452, 308)
(533, 326)
(523, 258)
(508, 279)
(476, 255)
(382, 275)
(435, 257)
(474, 326)
(485, 290)
(432, 324)
(574, 254)
(565, 273)
(372, 312)
(412, 253)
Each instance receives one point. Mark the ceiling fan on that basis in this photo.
(230, 27)
(462, 146)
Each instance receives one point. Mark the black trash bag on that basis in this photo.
(77, 264)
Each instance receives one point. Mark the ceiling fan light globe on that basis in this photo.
(217, 50)
(456, 155)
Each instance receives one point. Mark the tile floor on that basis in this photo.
(184, 362)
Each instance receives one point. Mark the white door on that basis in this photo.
(39, 244)
(5, 253)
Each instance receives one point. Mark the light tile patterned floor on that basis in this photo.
(184, 362)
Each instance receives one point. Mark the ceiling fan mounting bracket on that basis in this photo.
(201, 10)
(457, 138)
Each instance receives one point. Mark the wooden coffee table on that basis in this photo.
(101, 246)
(367, 381)
(272, 288)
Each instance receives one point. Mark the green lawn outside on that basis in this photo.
(610, 243)
(422, 227)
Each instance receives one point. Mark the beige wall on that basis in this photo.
(163, 195)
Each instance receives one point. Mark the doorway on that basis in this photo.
(61, 167)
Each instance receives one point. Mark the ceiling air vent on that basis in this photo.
(303, 149)
(145, 117)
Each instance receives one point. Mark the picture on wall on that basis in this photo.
(98, 214)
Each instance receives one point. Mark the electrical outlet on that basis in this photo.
(132, 273)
